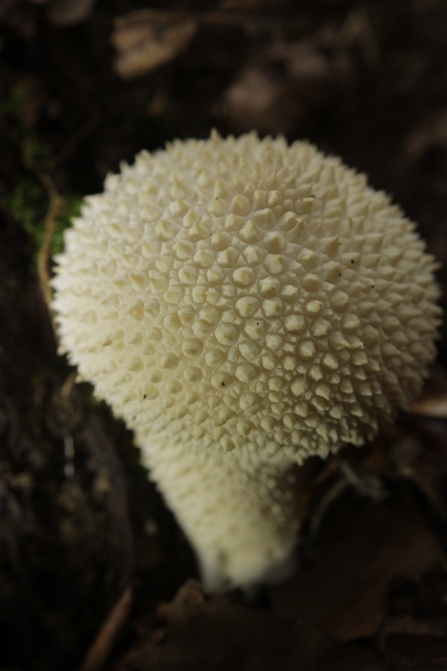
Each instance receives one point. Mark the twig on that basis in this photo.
(68, 385)
(331, 495)
(55, 208)
(366, 486)
(104, 642)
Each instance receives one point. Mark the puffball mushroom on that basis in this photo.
(243, 304)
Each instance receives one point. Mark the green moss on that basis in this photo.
(16, 101)
(28, 204)
(35, 152)
(28, 201)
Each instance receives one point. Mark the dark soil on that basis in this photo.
(79, 520)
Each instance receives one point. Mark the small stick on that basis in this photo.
(55, 208)
(68, 385)
(107, 636)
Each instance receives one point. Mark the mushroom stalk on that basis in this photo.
(244, 305)
(242, 516)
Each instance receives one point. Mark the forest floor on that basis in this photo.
(94, 571)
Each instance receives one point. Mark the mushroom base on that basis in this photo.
(242, 519)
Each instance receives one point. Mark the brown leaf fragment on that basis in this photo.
(415, 635)
(147, 39)
(412, 652)
(433, 400)
(361, 548)
(221, 633)
(248, 4)
(282, 85)
(69, 12)
(431, 404)
(258, 99)
(432, 133)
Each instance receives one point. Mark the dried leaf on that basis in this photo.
(282, 85)
(260, 100)
(431, 404)
(221, 633)
(69, 12)
(362, 548)
(432, 133)
(408, 652)
(248, 4)
(147, 39)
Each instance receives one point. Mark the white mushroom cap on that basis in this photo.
(242, 297)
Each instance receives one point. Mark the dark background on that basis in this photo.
(85, 85)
